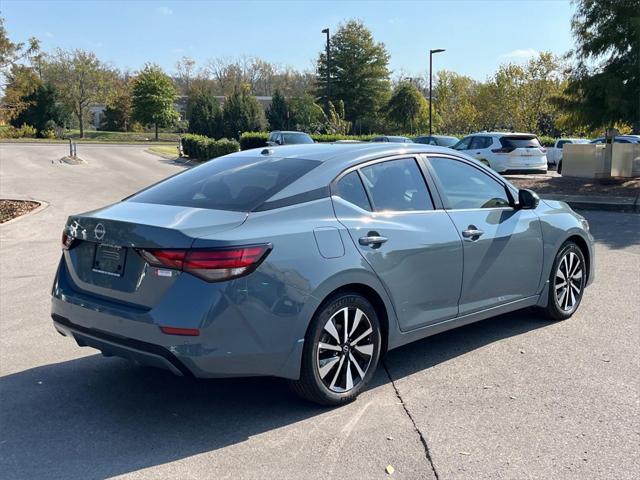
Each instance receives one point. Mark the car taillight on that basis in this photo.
(212, 265)
(503, 150)
(67, 240)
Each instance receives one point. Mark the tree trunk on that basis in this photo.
(156, 131)
(81, 120)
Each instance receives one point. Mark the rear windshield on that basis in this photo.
(520, 142)
(446, 141)
(294, 138)
(229, 183)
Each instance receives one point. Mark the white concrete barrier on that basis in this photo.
(591, 160)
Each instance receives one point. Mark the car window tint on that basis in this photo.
(350, 188)
(463, 144)
(397, 185)
(480, 142)
(520, 142)
(561, 143)
(227, 183)
(466, 186)
(296, 138)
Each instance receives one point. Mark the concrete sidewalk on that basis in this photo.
(598, 202)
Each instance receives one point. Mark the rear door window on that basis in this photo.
(228, 183)
(397, 185)
(350, 188)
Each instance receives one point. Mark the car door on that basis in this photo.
(413, 248)
(502, 244)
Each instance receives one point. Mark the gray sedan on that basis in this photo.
(309, 262)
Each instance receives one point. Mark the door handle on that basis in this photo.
(472, 233)
(373, 240)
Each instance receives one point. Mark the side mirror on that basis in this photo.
(528, 199)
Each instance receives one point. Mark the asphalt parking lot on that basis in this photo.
(513, 397)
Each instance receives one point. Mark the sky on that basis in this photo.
(478, 35)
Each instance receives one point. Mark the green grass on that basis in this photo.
(170, 151)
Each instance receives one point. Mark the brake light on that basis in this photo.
(67, 240)
(187, 332)
(503, 150)
(212, 265)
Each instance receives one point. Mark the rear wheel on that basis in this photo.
(341, 351)
(566, 283)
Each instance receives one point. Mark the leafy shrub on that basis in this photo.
(546, 141)
(253, 140)
(324, 138)
(25, 131)
(205, 148)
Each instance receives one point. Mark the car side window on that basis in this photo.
(350, 188)
(561, 143)
(463, 144)
(480, 142)
(465, 186)
(397, 185)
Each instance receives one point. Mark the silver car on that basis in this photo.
(310, 262)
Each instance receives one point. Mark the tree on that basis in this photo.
(43, 111)
(81, 78)
(454, 103)
(278, 114)
(185, 68)
(22, 81)
(359, 74)
(11, 53)
(604, 85)
(242, 112)
(408, 108)
(335, 122)
(306, 114)
(118, 111)
(152, 98)
(203, 113)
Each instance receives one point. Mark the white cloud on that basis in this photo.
(521, 54)
(164, 11)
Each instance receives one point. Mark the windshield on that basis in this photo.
(446, 141)
(228, 183)
(296, 138)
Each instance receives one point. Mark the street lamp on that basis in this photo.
(431, 52)
(328, 92)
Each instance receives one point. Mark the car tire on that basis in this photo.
(559, 169)
(336, 367)
(567, 281)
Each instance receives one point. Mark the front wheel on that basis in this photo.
(341, 351)
(566, 282)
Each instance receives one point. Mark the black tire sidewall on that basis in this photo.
(314, 333)
(553, 302)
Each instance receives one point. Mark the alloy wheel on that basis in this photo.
(569, 281)
(345, 350)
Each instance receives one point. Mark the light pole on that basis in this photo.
(431, 52)
(328, 91)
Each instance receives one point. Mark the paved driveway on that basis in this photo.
(511, 397)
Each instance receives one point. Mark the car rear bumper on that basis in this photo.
(241, 333)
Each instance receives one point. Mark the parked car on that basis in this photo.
(554, 154)
(619, 139)
(288, 138)
(505, 152)
(391, 139)
(310, 262)
(440, 140)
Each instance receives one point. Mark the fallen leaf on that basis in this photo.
(390, 469)
(464, 453)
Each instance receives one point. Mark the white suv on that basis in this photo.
(506, 152)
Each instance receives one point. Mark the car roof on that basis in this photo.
(501, 134)
(289, 131)
(334, 158)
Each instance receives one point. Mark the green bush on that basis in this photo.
(324, 138)
(205, 148)
(25, 131)
(546, 141)
(253, 140)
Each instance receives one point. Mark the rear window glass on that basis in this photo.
(229, 183)
(295, 138)
(520, 142)
(350, 188)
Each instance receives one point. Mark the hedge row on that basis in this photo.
(259, 139)
(205, 148)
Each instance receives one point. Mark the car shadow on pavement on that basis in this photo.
(96, 417)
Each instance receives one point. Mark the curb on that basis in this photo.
(43, 206)
(632, 205)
